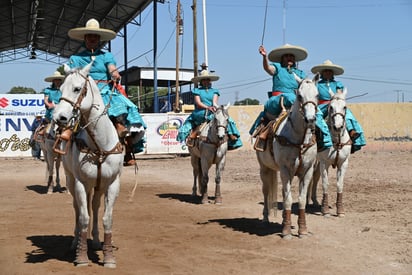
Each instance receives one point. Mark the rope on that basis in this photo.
(264, 22)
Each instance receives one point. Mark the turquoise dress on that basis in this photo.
(284, 82)
(199, 115)
(120, 106)
(351, 122)
(54, 96)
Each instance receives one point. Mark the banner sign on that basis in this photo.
(161, 133)
(22, 104)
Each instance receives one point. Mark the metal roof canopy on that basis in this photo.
(30, 26)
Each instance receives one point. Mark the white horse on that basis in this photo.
(92, 159)
(51, 158)
(210, 148)
(337, 155)
(291, 150)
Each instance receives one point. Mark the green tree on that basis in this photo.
(21, 90)
(247, 101)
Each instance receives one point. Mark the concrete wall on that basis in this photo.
(379, 120)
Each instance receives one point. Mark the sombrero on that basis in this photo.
(92, 27)
(56, 75)
(205, 75)
(299, 53)
(328, 65)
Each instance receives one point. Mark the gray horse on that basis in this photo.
(292, 152)
(210, 148)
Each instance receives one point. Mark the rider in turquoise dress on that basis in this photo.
(206, 98)
(327, 82)
(282, 69)
(52, 94)
(123, 112)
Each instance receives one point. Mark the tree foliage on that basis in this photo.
(21, 90)
(247, 101)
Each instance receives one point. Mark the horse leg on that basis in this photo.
(313, 186)
(57, 167)
(81, 250)
(196, 172)
(287, 204)
(219, 168)
(50, 173)
(302, 231)
(287, 224)
(96, 245)
(325, 184)
(340, 212)
(83, 220)
(204, 167)
(112, 193)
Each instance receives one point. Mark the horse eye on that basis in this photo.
(77, 89)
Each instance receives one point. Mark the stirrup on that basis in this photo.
(260, 144)
(190, 142)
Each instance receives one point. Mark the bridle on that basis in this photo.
(338, 145)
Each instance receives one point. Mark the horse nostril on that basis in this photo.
(62, 119)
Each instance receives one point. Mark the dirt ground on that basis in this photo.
(164, 230)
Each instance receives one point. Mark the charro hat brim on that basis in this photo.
(79, 33)
(204, 74)
(200, 78)
(92, 27)
(328, 65)
(300, 53)
(53, 77)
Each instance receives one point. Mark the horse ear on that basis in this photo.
(331, 93)
(345, 91)
(66, 69)
(228, 105)
(316, 78)
(87, 68)
(297, 78)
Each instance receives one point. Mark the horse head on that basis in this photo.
(307, 99)
(78, 97)
(337, 110)
(220, 119)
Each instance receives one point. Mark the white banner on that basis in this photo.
(22, 104)
(161, 133)
(15, 132)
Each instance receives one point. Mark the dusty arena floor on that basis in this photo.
(163, 230)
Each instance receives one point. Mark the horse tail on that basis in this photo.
(273, 193)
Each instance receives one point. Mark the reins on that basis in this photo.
(77, 119)
(338, 145)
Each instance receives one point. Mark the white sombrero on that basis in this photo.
(92, 27)
(299, 53)
(205, 75)
(328, 65)
(56, 75)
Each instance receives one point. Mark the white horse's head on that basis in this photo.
(221, 117)
(307, 97)
(77, 96)
(337, 110)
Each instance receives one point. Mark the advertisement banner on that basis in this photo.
(22, 104)
(15, 132)
(161, 133)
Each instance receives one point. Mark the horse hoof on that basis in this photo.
(341, 215)
(110, 264)
(218, 201)
(287, 237)
(81, 263)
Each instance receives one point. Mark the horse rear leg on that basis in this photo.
(339, 205)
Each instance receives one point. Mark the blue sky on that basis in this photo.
(371, 39)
